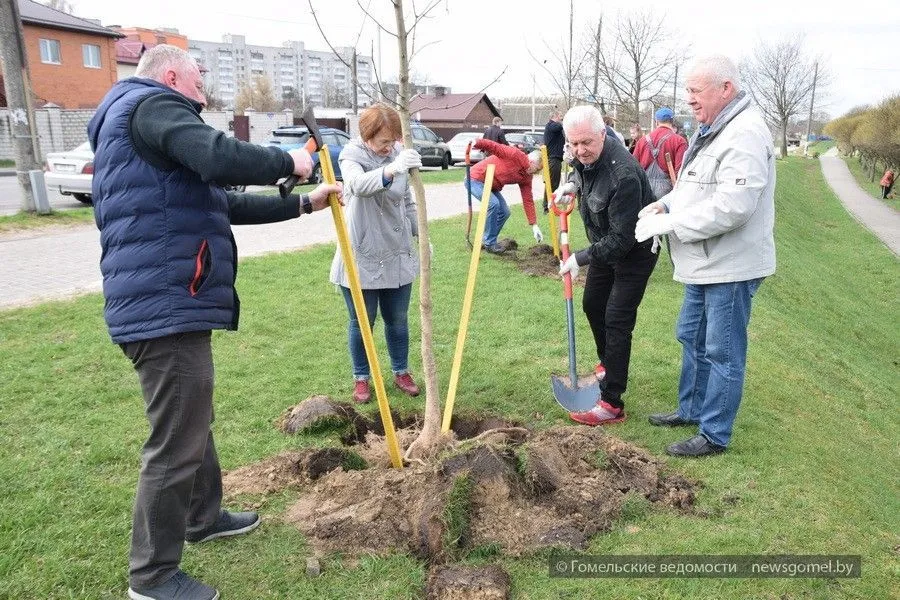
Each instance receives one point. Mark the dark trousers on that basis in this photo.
(180, 484)
(612, 294)
(555, 165)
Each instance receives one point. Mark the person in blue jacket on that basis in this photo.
(169, 263)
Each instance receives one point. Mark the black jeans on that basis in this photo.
(612, 294)
(555, 165)
(180, 485)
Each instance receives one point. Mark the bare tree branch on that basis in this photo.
(368, 14)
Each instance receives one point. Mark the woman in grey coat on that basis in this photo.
(381, 218)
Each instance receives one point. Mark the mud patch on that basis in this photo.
(515, 493)
(457, 582)
(536, 261)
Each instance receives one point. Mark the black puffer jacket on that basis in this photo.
(611, 192)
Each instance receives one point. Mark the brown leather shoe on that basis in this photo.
(361, 393)
(406, 384)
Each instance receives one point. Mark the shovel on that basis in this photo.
(576, 396)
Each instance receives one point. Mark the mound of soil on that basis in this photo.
(517, 491)
(536, 261)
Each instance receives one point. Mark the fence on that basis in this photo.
(62, 129)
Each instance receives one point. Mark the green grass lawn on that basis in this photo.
(873, 188)
(22, 220)
(809, 471)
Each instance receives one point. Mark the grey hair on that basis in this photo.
(718, 69)
(159, 59)
(534, 157)
(578, 115)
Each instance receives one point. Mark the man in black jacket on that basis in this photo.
(495, 132)
(169, 264)
(613, 188)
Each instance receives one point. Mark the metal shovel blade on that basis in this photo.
(578, 399)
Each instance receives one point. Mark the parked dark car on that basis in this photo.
(293, 137)
(434, 152)
(522, 141)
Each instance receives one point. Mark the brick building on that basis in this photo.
(449, 114)
(71, 61)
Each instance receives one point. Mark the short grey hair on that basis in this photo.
(159, 59)
(718, 69)
(534, 157)
(578, 115)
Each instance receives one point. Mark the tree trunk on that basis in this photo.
(431, 427)
(784, 126)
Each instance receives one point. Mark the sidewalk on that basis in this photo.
(63, 262)
(877, 216)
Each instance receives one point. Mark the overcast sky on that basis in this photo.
(466, 44)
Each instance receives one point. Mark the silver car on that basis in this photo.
(70, 173)
(458, 145)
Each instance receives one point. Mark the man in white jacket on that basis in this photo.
(720, 219)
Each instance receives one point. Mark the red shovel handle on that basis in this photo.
(563, 208)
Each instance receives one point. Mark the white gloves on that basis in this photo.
(570, 266)
(653, 224)
(566, 188)
(652, 209)
(538, 236)
(406, 160)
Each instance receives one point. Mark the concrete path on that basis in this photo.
(880, 218)
(58, 263)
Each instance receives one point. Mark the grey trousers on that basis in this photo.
(180, 484)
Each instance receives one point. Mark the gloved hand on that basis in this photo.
(406, 160)
(538, 236)
(652, 209)
(566, 188)
(569, 266)
(651, 225)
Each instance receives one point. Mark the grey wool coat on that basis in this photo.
(381, 221)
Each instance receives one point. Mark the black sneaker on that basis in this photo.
(495, 249)
(229, 523)
(180, 587)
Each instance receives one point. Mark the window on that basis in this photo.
(50, 51)
(91, 55)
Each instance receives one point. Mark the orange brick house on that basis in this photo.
(72, 61)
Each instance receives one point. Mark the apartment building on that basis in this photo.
(307, 76)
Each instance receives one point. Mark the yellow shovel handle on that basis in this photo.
(361, 315)
(467, 299)
(545, 163)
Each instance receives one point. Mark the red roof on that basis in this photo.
(130, 51)
(449, 107)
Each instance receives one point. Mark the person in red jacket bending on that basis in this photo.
(651, 151)
(887, 182)
(511, 165)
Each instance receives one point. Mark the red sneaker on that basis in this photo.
(602, 414)
(361, 393)
(600, 371)
(406, 384)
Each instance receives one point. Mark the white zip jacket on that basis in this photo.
(723, 204)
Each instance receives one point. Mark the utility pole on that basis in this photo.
(355, 96)
(15, 69)
(812, 102)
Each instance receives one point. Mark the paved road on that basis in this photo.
(61, 262)
(883, 220)
(11, 198)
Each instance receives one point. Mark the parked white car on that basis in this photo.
(458, 147)
(70, 173)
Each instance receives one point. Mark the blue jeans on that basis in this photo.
(712, 329)
(394, 308)
(498, 213)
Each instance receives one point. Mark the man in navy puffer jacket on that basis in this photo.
(169, 264)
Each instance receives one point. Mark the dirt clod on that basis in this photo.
(457, 582)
